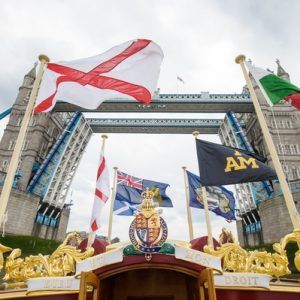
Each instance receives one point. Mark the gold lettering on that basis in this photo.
(47, 284)
(235, 279)
(227, 279)
(255, 280)
(231, 164)
(189, 255)
(243, 280)
(250, 161)
(242, 164)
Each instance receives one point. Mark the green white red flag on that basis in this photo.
(275, 88)
(129, 71)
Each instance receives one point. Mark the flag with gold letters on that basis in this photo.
(221, 165)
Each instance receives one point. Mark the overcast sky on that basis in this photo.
(200, 39)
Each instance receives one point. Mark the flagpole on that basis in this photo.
(113, 197)
(206, 211)
(207, 218)
(92, 235)
(295, 218)
(20, 140)
(188, 207)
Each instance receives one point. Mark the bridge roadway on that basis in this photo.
(173, 103)
(166, 126)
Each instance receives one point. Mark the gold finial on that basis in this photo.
(240, 58)
(148, 206)
(195, 133)
(104, 136)
(43, 57)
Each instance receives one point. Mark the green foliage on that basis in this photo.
(30, 245)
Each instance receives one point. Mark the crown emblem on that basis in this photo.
(148, 206)
(148, 231)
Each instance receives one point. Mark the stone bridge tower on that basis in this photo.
(24, 207)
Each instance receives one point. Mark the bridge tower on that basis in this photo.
(267, 220)
(44, 132)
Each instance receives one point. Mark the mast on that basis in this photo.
(270, 144)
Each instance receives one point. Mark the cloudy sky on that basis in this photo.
(200, 39)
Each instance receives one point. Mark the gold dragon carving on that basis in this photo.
(237, 259)
(60, 263)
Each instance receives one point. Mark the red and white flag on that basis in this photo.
(101, 194)
(129, 70)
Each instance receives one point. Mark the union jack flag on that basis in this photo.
(131, 181)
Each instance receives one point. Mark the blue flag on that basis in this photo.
(220, 200)
(129, 190)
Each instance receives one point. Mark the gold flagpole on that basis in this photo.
(207, 218)
(20, 140)
(92, 235)
(188, 208)
(270, 144)
(113, 197)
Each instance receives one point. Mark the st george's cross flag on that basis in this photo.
(101, 193)
(129, 71)
(275, 88)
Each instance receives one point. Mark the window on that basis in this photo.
(287, 149)
(280, 148)
(32, 121)
(25, 147)
(294, 149)
(4, 165)
(294, 173)
(11, 145)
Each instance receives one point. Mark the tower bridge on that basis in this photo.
(56, 141)
(158, 126)
(172, 103)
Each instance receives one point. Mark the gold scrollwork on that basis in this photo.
(60, 263)
(237, 259)
(292, 237)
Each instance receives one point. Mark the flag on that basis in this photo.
(275, 88)
(101, 193)
(129, 190)
(180, 79)
(220, 200)
(129, 70)
(221, 165)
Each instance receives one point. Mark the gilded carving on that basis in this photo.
(60, 263)
(237, 259)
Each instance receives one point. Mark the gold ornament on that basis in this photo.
(292, 237)
(3, 249)
(148, 206)
(237, 259)
(60, 263)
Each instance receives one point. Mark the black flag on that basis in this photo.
(221, 165)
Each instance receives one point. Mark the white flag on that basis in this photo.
(101, 194)
(129, 70)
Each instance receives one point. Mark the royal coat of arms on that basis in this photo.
(148, 231)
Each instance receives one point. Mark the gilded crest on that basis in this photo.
(148, 231)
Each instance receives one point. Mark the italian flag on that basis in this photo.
(275, 88)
